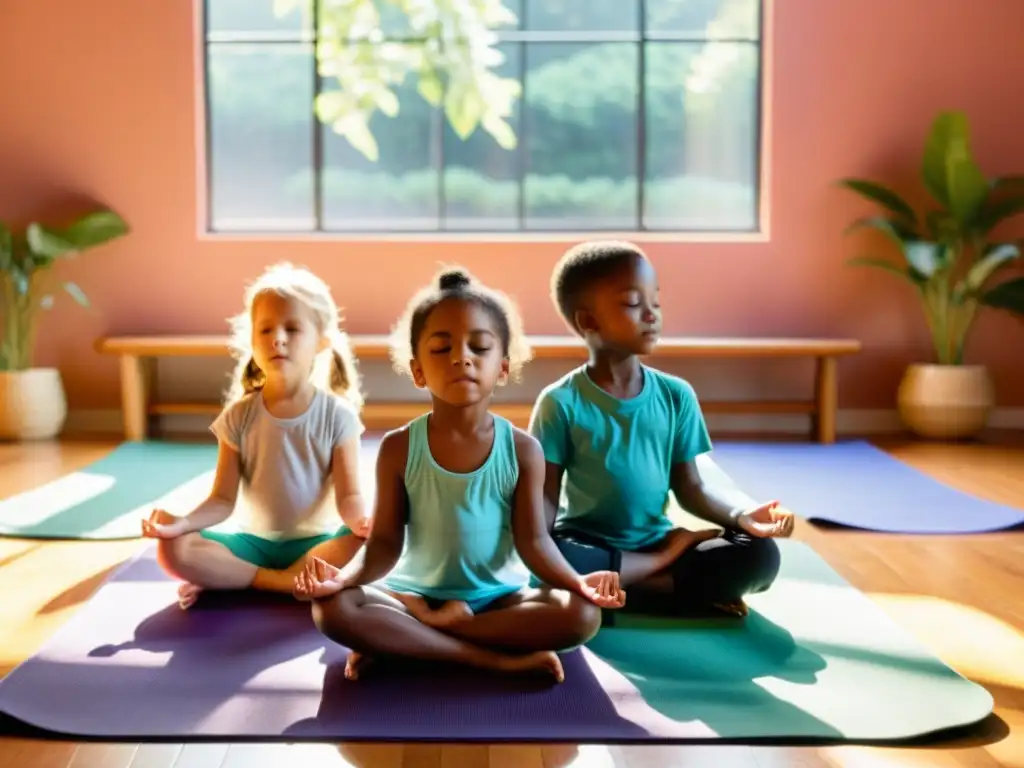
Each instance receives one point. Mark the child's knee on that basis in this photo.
(177, 555)
(583, 618)
(763, 561)
(336, 616)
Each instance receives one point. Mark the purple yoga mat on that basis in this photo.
(856, 485)
(255, 667)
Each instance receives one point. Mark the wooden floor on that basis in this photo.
(961, 596)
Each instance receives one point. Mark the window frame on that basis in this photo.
(760, 233)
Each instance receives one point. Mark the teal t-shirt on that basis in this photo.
(458, 536)
(618, 454)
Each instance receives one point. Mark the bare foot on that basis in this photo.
(546, 662)
(187, 595)
(452, 612)
(355, 664)
(416, 605)
(679, 540)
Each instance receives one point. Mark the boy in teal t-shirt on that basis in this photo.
(623, 436)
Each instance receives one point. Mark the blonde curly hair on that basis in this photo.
(334, 369)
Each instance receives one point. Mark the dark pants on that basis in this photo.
(717, 571)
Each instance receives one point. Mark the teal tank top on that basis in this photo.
(458, 536)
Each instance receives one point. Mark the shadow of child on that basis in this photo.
(407, 700)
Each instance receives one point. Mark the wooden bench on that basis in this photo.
(138, 356)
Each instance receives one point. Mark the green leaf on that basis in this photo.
(95, 229)
(284, 7)
(357, 131)
(431, 88)
(6, 247)
(994, 211)
(46, 242)
(966, 185)
(883, 196)
(946, 129)
(21, 281)
(387, 102)
(502, 132)
(1007, 183)
(1008, 296)
(983, 269)
(926, 258)
(88, 232)
(894, 229)
(330, 106)
(887, 266)
(76, 293)
(464, 107)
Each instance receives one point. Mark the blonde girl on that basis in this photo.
(288, 456)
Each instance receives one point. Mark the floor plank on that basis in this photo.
(959, 595)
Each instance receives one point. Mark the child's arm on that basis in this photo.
(553, 474)
(550, 427)
(387, 538)
(347, 491)
(719, 505)
(533, 536)
(214, 509)
(703, 500)
(716, 506)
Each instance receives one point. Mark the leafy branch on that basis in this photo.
(450, 46)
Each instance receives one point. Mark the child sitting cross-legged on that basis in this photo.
(288, 441)
(459, 515)
(622, 436)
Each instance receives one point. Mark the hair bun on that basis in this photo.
(453, 280)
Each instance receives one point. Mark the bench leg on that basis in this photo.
(826, 400)
(135, 396)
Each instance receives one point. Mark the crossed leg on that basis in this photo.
(709, 570)
(202, 563)
(517, 633)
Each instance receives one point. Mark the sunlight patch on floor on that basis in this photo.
(33, 507)
(858, 757)
(991, 650)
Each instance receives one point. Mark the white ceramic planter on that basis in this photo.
(946, 402)
(32, 404)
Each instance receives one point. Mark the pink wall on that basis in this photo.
(98, 100)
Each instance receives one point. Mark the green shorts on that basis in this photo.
(268, 553)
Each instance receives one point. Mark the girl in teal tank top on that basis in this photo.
(459, 522)
(459, 541)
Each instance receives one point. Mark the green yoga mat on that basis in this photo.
(816, 659)
(108, 498)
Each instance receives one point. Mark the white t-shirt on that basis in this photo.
(287, 491)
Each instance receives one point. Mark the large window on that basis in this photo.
(633, 115)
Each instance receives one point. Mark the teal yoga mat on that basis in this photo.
(816, 659)
(108, 498)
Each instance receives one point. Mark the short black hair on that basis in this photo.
(460, 285)
(582, 266)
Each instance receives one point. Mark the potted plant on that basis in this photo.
(32, 400)
(951, 257)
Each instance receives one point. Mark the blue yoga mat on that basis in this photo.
(856, 485)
